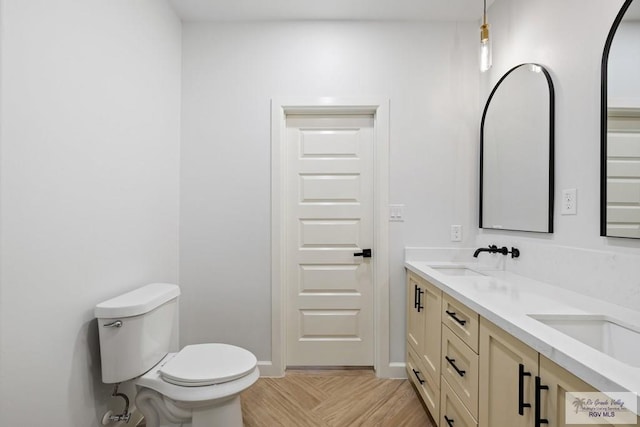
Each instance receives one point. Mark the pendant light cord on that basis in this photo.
(484, 14)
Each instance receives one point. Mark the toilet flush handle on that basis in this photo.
(116, 324)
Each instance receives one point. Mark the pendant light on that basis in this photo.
(485, 42)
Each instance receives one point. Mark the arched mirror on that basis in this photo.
(516, 152)
(620, 128)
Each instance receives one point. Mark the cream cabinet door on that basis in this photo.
(508, 369)
(559, 381)
(430, 352)
(424, 324)
(415, 313)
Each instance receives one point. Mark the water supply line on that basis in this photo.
(126, 415)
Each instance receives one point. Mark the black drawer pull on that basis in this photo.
(420, 306)
(453, 365)
(452, 314)
(539, 387)
(521, 404)
(416, 303)
(421, 381)
(449, 421)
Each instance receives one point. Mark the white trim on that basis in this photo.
(397, 370)
(267, 369)
(381, 111)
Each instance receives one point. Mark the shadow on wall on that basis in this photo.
(86, 379)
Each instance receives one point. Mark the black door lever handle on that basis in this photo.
(366, 253)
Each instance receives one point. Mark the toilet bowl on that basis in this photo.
(200, 384)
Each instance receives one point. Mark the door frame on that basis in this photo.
(380, 109)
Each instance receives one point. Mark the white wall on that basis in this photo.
(89, 190)
(567, 38)
(230, 73)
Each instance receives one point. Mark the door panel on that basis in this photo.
(330, 233)
(623, 175)
(329, 218)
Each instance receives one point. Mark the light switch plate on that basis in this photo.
(569, 202)
(396, 213)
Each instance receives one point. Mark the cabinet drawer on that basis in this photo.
(460, 369)
(428, 389)
(452, 410)
(463, 321)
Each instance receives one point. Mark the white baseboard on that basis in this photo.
(395, 370)
(268, 370)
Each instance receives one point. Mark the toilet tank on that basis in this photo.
(137, 330)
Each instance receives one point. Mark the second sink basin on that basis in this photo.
(457, 271)
(605, 334)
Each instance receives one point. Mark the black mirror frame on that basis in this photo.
(551, 145)
(603, 120)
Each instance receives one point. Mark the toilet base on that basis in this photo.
(154, 407)
(226, 413)
(202, 406)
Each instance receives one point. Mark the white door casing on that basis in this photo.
(379, 263)
(329, 218)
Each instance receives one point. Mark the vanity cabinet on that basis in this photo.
(460, 370)
(559, 380)
(454, 413)
(471, 373)
(424, 302)
(442, 358)
(507, 369)
(518, 386)
(461, 320)
(423, 324)
(459, 384)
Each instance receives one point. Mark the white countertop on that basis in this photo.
(506, 299)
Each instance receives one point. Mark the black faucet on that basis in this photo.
(493, 249)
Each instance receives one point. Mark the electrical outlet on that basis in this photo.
(456, 233)
(569, 202)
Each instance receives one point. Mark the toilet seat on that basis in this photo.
(207, 364)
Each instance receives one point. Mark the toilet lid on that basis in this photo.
(207, 364)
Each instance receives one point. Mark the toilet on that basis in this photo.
(200, 384)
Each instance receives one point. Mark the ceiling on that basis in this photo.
(366, 10)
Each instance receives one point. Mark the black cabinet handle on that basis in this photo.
(449, 421)
(521, 404)
(420, 306)
(453, 365)
(415, 296)
(421, 381)
(452, 314)
(539, 387)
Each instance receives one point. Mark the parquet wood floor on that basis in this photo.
(333, 398)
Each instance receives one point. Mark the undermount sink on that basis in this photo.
(457, 271)
(603, 333)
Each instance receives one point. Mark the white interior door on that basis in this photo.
(329, 212)
(623, 174)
